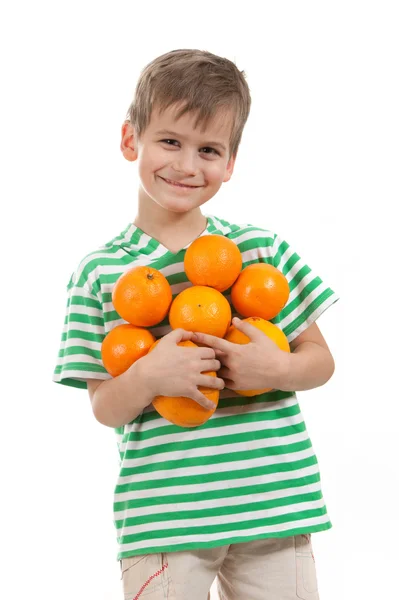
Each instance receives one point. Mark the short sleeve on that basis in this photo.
(79, 357)
(309, 295)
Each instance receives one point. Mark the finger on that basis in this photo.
(210, 365)
(212, 341)
(206, 353)
(229, 383)
(224, 373)
(220, 353)
(211, 382)
(251, 331)
(203, 400)
(179, 335)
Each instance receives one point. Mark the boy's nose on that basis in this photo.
(186, 164)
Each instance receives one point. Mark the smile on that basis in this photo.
(180, 185)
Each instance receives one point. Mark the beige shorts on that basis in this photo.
(270, 569)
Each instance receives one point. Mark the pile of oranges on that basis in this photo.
(143, 297)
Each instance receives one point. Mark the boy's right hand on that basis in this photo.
(173, 370)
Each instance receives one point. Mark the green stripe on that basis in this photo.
(221, 511)
(203, 478)
(150, 247)
(246, 418)
(250, 244)
(136, 237)
(75, 383)
(308, 312)
(79, 366)
(83, 335)
(301, 274)
(72, 350)
(201, 461)
(110, 316)
(83, 301)
(80, 318)
(291, 262)
(265, 237)
(168, 259)
(119, 237)
(102, 256)
(300, 299)
(219, 441)
(228, 402)
(222, 527)
(279, 253)
(232, 492)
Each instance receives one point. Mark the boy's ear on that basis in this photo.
(128, 142)
(230, 169)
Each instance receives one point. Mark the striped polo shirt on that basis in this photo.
(250, 471)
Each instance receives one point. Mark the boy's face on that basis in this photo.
(180, 167)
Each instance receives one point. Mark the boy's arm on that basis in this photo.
(121, 399)
(310, 363)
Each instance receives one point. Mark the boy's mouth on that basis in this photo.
(180, 185)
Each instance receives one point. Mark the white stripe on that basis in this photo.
(247, 404)
(211, 486)
(98, 255)
(302, 284)
(72, 342)
(209, 538)
(80, 375)
(303, 306)
(85, 310)
(312, 317)
(227, 519)
(199, 504)
(82, 358)
(211, 433)
(255, 234)
(86, 327)
(218, 468)
(210, 451)
(227, 430)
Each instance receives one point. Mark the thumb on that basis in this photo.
(179, 335)
(251, 331)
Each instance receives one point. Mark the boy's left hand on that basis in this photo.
(257, 365)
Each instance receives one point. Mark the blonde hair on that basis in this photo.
(202, 82)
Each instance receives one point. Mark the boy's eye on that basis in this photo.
(212, 150)
(208, 149)
(172, 142)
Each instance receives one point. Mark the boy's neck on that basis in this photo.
(172, 230)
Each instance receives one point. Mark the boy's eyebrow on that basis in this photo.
(178, 135)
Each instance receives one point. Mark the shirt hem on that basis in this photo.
(226, 541)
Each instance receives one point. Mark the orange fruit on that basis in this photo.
(214, 261)
(142, 296)
(272, 331)
(200, 308)
(123, 345)
(261, 290)
(182, 411)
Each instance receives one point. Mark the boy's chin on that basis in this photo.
(178, 207)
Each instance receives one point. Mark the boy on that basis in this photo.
(238, 497)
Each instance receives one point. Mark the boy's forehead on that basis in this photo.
(219, 125)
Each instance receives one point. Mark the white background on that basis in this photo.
(318, 164)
